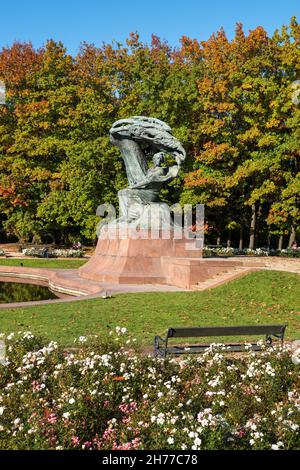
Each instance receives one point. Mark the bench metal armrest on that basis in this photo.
(281, 335)
(160, 351)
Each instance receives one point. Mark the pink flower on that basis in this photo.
(131, 445)
(75, 440)
(108, 434)
(128, 407)
(87, 445)
(52, 418)
(126, 420)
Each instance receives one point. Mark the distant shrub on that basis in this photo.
(287, 253)
(58, 253)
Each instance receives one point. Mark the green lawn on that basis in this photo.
(44, 263)
(259, 298)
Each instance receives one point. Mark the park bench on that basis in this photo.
(162, 347)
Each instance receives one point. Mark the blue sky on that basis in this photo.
(96, 21)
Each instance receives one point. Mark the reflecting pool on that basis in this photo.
(11, 292)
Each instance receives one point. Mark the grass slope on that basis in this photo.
(50, 263)
(259, 298)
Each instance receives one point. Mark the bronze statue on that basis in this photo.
(141, 139)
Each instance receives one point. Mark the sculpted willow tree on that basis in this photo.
(141, 139)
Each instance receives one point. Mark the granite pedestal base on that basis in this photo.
(143, 258)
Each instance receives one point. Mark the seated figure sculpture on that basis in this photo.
(141, 139)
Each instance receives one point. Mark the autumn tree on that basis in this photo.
(228, 101)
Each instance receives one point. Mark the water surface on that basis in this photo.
(11, 292)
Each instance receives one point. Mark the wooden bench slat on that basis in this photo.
(224, 331)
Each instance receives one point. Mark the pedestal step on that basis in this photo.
(222, 278)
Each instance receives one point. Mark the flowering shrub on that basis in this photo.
(256, 252)
(207, 252)
(39, 253)
(288, 253)
(105, 395)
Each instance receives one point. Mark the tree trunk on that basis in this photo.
(252, 228)
(292, 237)
(280, 242)
(241, 238)
(218, 240)
(257, 226)
(229, 239)
(269, 241)
(63, 237)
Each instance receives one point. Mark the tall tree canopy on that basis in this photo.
(228, 101)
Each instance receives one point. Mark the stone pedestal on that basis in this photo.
(143, 257)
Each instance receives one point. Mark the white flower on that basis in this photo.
(197, 441)
(31, 431)
(2, 408)
(66, 415)
(170, 440)
(160, 418)
(296, 358)
(277, 446)
(71, 401)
